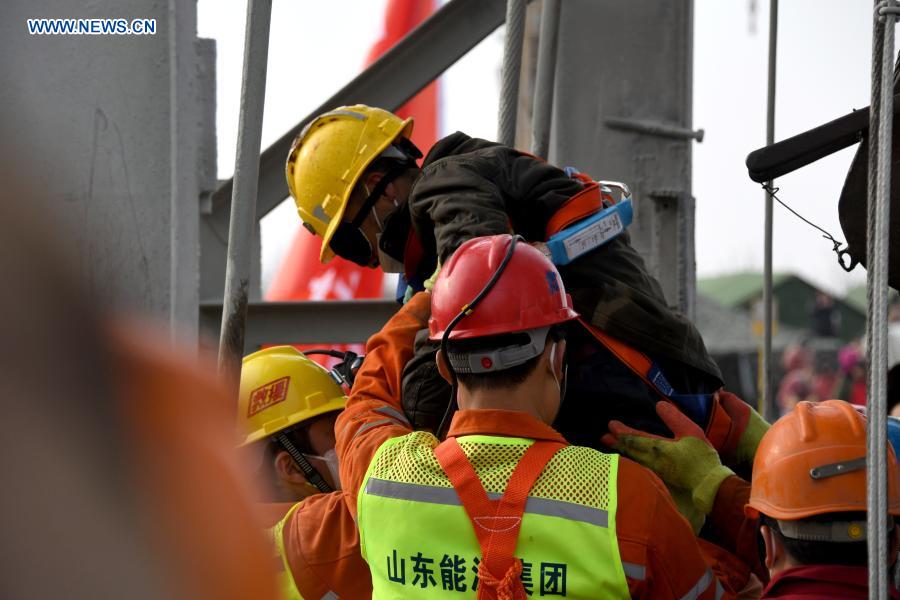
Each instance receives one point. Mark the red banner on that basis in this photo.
(301, 275)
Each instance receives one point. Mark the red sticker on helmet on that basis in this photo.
(267, 395)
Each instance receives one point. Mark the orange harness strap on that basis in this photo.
(718, 429)
(581, 205)
(639, 363)
(496, 522)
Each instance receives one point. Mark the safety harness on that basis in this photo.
(701, 408)
(587, 220)
(496, 522)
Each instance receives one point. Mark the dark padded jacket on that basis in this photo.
(470, 187)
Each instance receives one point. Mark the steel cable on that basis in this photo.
(512, 66)
(881, 117)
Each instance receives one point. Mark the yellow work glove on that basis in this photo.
(429, 283)
(747, 424)
(687, 464)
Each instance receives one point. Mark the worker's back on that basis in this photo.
(421, 542)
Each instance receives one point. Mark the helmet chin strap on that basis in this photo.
(374, 208)
(463, 313)
(377, 191)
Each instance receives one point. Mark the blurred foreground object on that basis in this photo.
(117, 460)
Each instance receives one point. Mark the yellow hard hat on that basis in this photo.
(329, 156)
(281, 387)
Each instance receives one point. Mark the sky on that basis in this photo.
(824, 52)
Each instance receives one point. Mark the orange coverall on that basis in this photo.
(322, 547)
(657, 546)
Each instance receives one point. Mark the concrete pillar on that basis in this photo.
(120, 129)
(624, 74)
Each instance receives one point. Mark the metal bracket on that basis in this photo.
(659, 129)
(839, 468)
(887, 7)
(668, 194)
(206, 203)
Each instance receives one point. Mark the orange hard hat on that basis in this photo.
(812, 462)
(528, 295)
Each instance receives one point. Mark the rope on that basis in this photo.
(512, 65)
(881, 117)
(508, 588)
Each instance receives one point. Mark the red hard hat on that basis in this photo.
(528, 295)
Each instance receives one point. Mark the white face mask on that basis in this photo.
(330, 458)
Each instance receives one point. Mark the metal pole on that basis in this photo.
(542, 114)
(246, 181)
(881, 121)
(512, 65)
(768, 387)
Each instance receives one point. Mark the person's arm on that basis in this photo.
(455, 200)
(374, 413)
(736, 532)
(321, 545)
(659, 552)
(488, 194)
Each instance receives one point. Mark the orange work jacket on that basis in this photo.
(657, 547)
(321, 546)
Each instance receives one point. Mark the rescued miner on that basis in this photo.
(504, 507)
(355, 179)
(287, 408)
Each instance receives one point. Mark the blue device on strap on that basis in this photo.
(590, 233)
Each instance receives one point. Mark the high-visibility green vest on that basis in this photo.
(287, 585)
(419, 541)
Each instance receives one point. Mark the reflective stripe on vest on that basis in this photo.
(419, 541)
(287, 585)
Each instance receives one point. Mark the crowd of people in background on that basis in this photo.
(820, 375)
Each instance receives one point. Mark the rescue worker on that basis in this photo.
(504, 507)
(807, 500)
(707, 493)
(287, 410)
(809, 491)
(354, 177)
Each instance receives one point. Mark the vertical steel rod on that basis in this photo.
(512, 65)
(768, 397)
(880, 127)
(542, 113)
(246, 181)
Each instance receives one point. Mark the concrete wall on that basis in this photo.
(633, 61)
(94, 116)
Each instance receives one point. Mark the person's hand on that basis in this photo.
(687, 463)
(747, 428)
